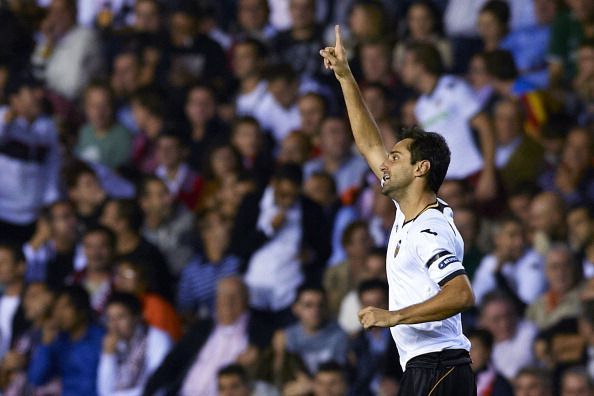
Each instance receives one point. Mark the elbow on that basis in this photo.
(467, 299)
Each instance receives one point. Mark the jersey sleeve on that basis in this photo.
(435, 246)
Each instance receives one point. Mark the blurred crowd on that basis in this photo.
(183, 210)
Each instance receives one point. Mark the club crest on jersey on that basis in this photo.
(397, 249)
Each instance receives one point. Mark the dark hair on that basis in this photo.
(348, 232)
(373, 284)
(498, 296)
(129, 210)
(290, 172)
(46, 212)
(74, 170)
(380, 251)
(102, 86)
(328, 178)
(235, 370)
(129, 301)
(321, 98)
(499, 9)
(427, 56)
(310, 287)
(146, 180)
(79, 298)
(17, 80)
(259, 47)
(432, 147)
(483, 335)
(150, 99)
(16, 252)
(111, 238)
(433, 11)
(582, 206)
(247, 119)
(331, 367)
(501, 65)
(281, 71)
(541, 374)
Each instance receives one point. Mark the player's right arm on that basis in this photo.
(366, 132)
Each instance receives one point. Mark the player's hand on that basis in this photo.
(335, 57)
(376, 317)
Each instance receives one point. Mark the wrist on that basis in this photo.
(348, 78)
(395, 318)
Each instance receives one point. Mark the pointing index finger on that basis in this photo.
(338, 38)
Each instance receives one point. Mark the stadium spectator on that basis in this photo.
(130, 277)
(72, 350)
(448, 105)
(148, 114)
(282, 238)
(54, 251)
(37, 305)
(132, 350)
(561, 300)
(315, 338)
(248, 62)
(190, 367)
(371, 353)
(212, 262)
(423, 24)
(576, 382)
(184, 184)
(299, 45)
(580, 228)
(546, 221)
(277, 111)
(253, 20)
(533, 381)
(102, 139)
(493, 23)
(99, 245)
(233, 380)
(12, 278)
(489, 381)
(205, 127)
(313, 109)
(30, 157)
(468, 223)
(254, 147)
(167, 224)
(340, 279)
(512, 266)
(124, 219)
(67, 55)
(518, 157)
(529, 44)
(499, 316)
(320, 187)
(295, 148)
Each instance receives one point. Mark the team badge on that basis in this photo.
(397, 249)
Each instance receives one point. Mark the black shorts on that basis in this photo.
(445, 373)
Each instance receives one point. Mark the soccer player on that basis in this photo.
(428, 285)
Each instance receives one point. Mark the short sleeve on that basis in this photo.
(436, 248)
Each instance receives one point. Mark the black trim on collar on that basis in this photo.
(451, 276)
(437, 257)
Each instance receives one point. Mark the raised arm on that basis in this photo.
(365, 130)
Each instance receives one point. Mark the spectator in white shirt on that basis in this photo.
(12, 278)
(448, 105)
(132, 350)
(512, 266)
(278, 111)
(513, 336)
(248, 60)
(68, 55)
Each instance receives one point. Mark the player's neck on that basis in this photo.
(413, 204)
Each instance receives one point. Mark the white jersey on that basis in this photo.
(423, 254)
(448, 110)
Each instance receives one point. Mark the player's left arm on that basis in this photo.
(454, 297)
(435, 245)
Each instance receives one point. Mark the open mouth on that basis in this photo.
(386, 177)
